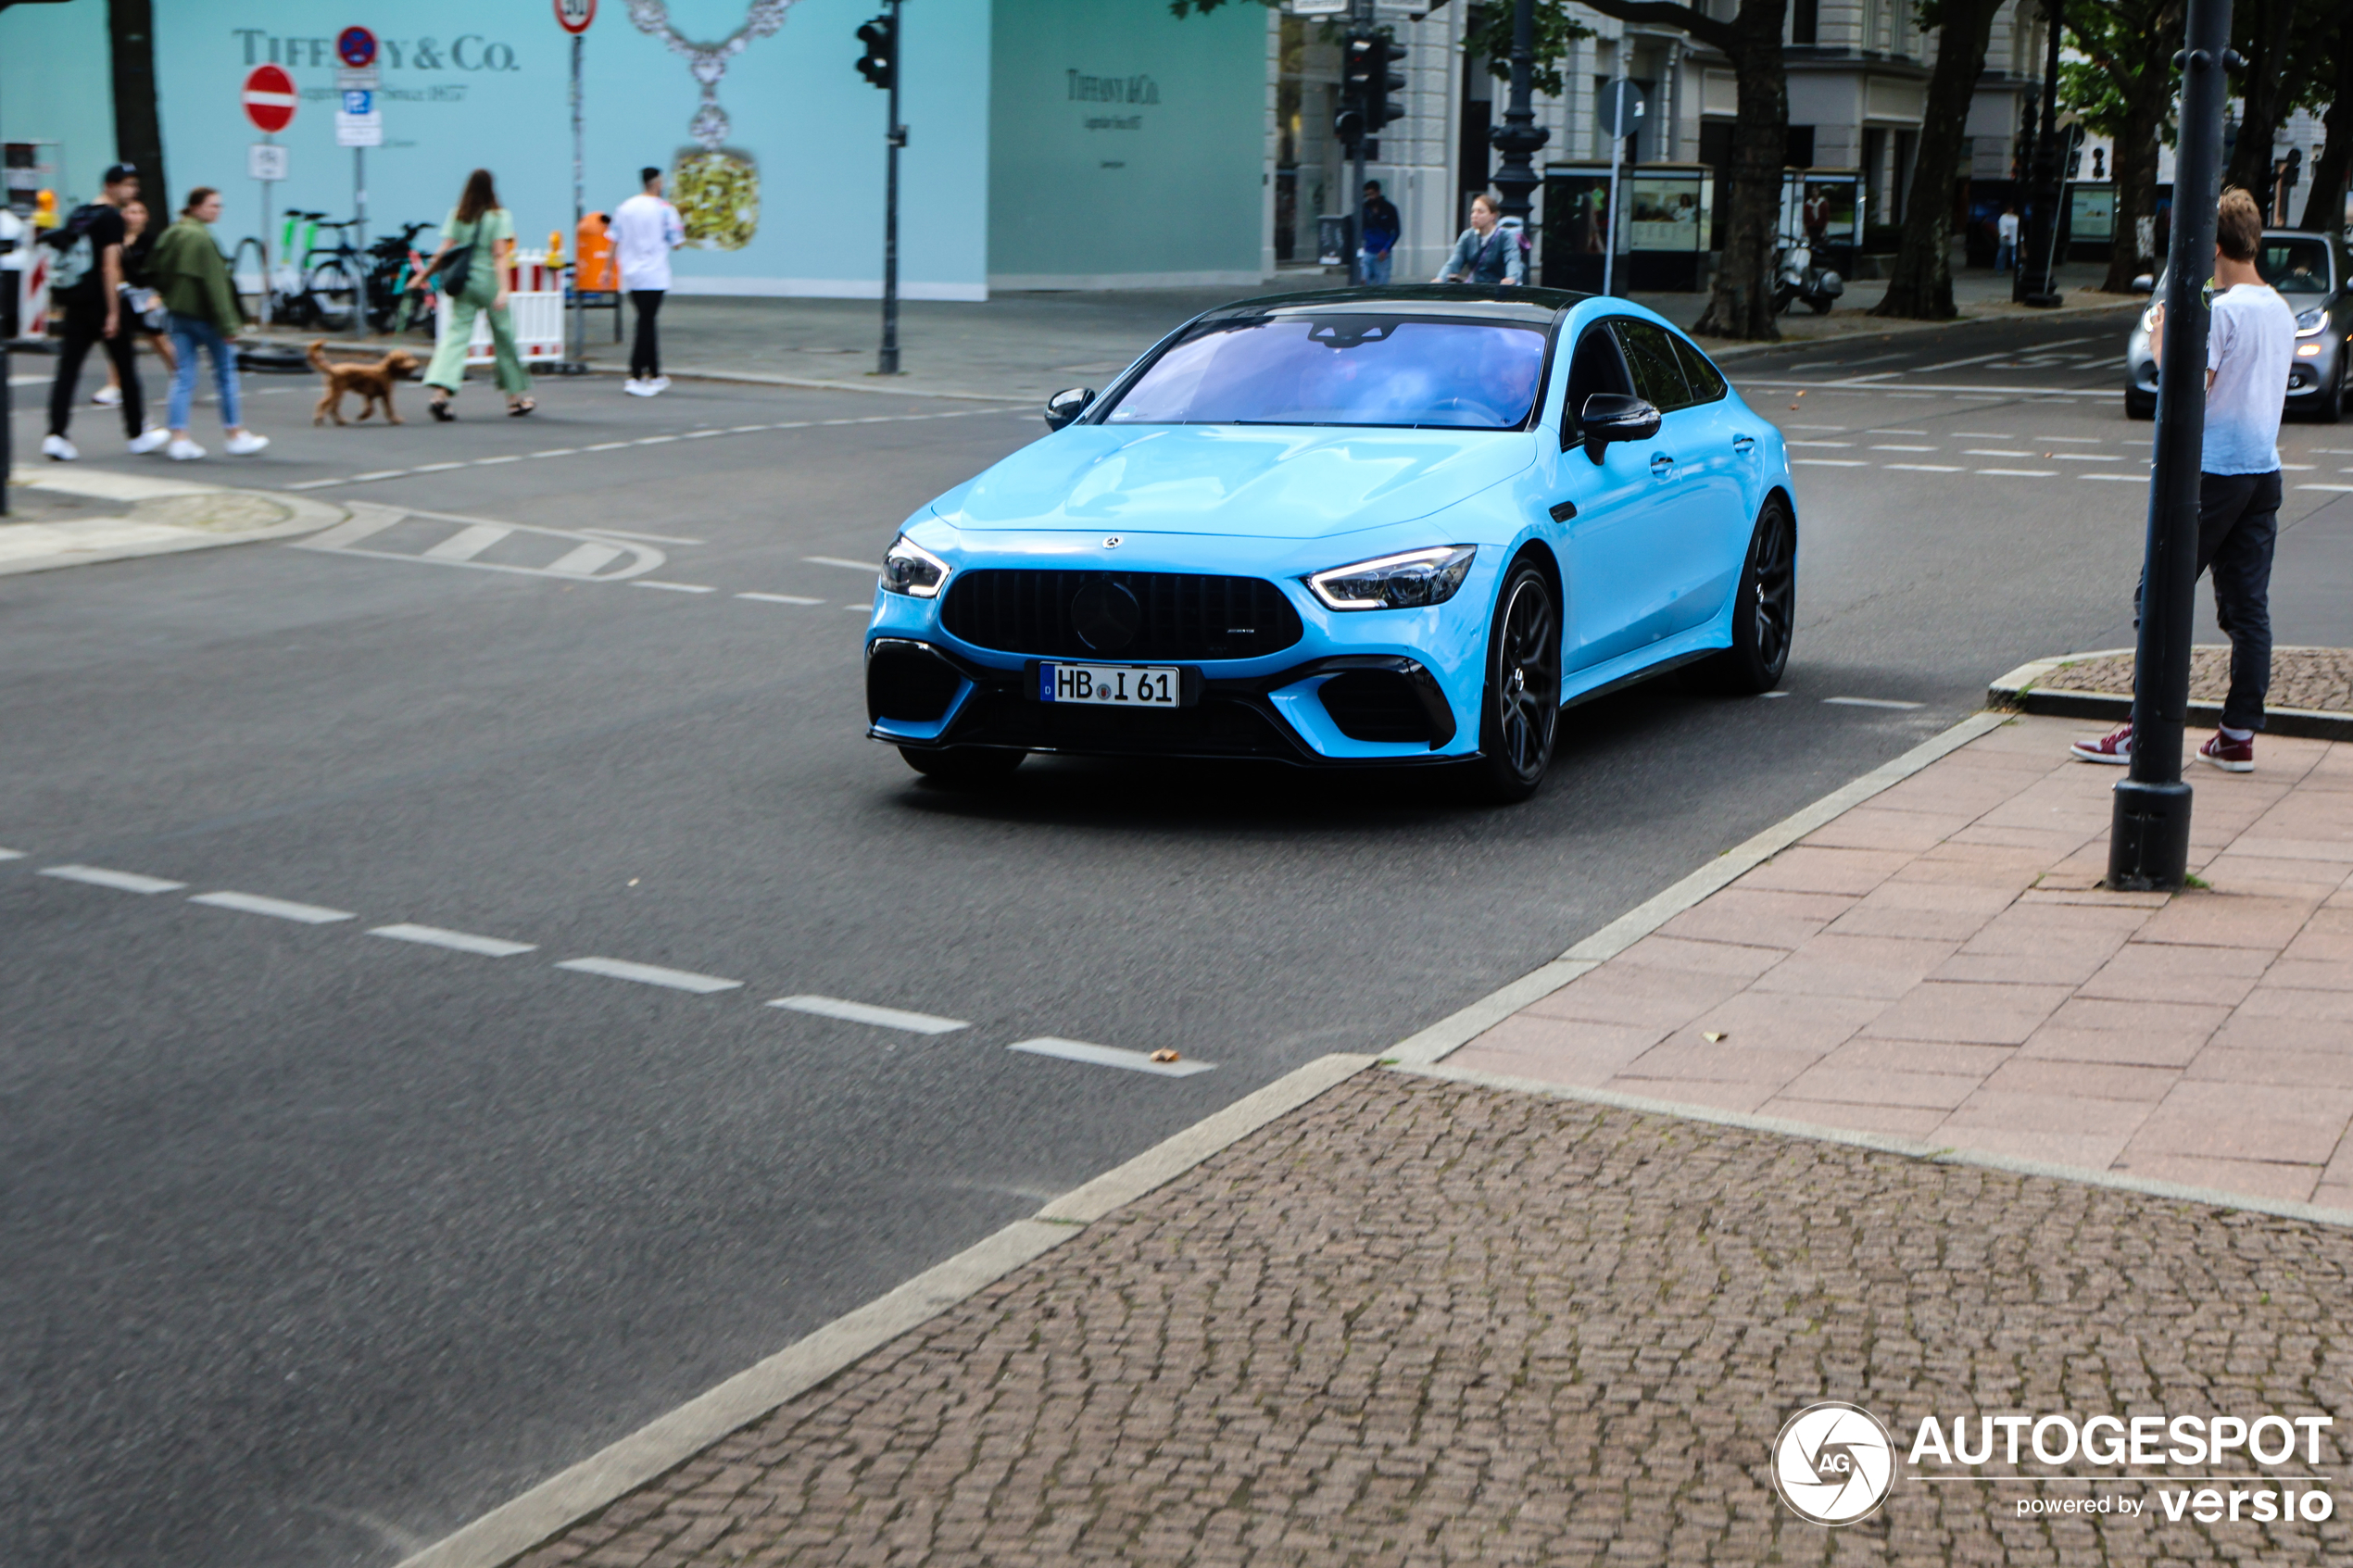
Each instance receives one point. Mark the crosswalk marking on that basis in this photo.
(468, 542)
(583, 559)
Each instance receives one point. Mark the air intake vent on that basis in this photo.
(1123, 615)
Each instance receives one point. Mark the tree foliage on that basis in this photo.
(1490, 34)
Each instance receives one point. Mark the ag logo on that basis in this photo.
(1833, 1463)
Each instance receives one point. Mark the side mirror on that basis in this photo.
(1608, 416)
(2144, 285)
(1067, 405)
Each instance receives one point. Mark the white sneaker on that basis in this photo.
(107, 396)
(150, 441)
(245, 444)
(660, 384)
(639, 388)
(57, 448)
(183, 451)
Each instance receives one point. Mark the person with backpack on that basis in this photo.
(187, 269)
(477, 240)
(86, 280)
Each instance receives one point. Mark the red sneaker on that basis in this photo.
(2230, 756)
(2116, 747)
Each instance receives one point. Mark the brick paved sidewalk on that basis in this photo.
(1940, 963)
(2319, 680)
(1428, 1323)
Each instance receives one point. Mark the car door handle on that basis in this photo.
(1661, 465)
(1743, 445)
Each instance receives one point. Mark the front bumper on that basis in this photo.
(1323, 711)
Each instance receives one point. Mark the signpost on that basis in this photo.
(574, 17)
(1622, 110)
(360, 121)
(270, 102)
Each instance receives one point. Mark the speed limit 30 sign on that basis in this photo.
(574, 16)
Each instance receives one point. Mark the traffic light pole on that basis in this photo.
(886, 360)
(2148, 848)
(1360, 22)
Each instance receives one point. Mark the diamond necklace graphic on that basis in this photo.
(708, 62)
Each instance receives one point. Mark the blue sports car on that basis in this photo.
(1371, 526)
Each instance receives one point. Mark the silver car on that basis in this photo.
(2314, 275)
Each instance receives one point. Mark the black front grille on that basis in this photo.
(1375, 705)
(1126, 615)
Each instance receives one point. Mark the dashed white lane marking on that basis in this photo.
(1895, 433)
(780, 598)
(1984, 435)
(456, 941)
(836, 560)
(468, 542)
(1994, 452)
(1869, 702)
(1107, 1056)
(861, 610)
(1795, 425)
(2340, 489)
(583, 559)
(11, 854)
(672, 587)
(503, 458)
(2083, 456)
(123, 882)
(2022, 473)
(376, 474)
(1828, 462)
(1940, 468)
(276, 909)
(652, 974)
(1822, 444)
(2119, 478)
(881, 1018)
(1895, 447)
(2075, 440)
(557, 452)
(641, 538)
(436, 468)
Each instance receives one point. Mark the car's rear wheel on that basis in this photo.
(963, 764)
(1519, 711)
(1764, 607)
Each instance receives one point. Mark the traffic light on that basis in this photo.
(879, 64)
(1348, 127)
(1381, 103)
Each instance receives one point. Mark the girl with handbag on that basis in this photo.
(477, 242)
(186, 268)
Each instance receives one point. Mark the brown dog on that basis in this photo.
(372, 383)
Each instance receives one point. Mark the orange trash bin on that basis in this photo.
(592, 250)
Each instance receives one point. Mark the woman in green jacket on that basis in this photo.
(186, 269)
(484, 231)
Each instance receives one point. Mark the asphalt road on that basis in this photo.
(321, 1242)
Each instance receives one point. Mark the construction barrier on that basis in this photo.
(27, 312)
(535, 304)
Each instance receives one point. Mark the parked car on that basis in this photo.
(1390, 526)
(2314, 273)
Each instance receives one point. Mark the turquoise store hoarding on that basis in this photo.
(785, 147)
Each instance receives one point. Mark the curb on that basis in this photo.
(306, 516)
(2020, 692)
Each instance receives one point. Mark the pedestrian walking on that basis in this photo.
(477, 242)
(139, 238)
(1486, 253)
(646, 229)
(1382, 228)
(192, 279)
(2250, 346)
(87, 283)
(2005, 239)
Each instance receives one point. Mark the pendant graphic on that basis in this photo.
(716, 188)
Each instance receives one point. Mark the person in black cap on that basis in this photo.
(90, 267)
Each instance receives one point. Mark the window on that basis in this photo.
(1805, 21)
(1706, 381)
(2293, 266)
(1650, 357)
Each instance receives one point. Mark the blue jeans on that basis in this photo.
(2005, 257)
(1372, 267)
(187, 333)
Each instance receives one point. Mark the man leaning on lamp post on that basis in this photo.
(2249, 348)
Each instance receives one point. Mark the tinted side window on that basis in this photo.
(1594, 369)
(1707, 382)
(1658, 379)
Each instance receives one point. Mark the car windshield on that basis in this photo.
(2293, 266)
(1335, 369)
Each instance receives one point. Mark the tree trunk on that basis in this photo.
(2145, 102)
(2263, 89)
(2324, 209)
(1740, 302)
(1921, 289)
(138, 135)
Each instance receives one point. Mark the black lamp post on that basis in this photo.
(1520, 136)
(2148, 848)
(2033, 282)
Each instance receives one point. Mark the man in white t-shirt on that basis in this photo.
(646, 229)
(2250, 345)
(2005, 239)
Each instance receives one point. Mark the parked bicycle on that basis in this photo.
(396, 294)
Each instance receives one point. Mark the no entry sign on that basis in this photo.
(270, 99)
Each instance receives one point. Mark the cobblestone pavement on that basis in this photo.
(2317, 679)
(1424, 1322)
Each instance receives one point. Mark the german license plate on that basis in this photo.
(1114, 686)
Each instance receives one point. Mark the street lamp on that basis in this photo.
(2033, 282)
(1520, 136)
(2148, 848)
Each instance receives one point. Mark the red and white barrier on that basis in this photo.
(535, 302)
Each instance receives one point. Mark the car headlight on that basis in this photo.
(908, 567)
(2312, 322)
(1401, 581)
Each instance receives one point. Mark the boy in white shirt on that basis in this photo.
(2250, 345)
(646, 229)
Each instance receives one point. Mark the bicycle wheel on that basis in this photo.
(249, 277)
(335, 294)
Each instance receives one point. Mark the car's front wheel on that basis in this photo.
(1521, 708)
(1764, 607)
(2332, 405)
(963, 764)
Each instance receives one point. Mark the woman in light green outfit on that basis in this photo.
(481, 232)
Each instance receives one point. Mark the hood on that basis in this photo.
(1286, 481)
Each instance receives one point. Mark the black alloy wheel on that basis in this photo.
(1519, 711)
(1765, 608)
(963, 764)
